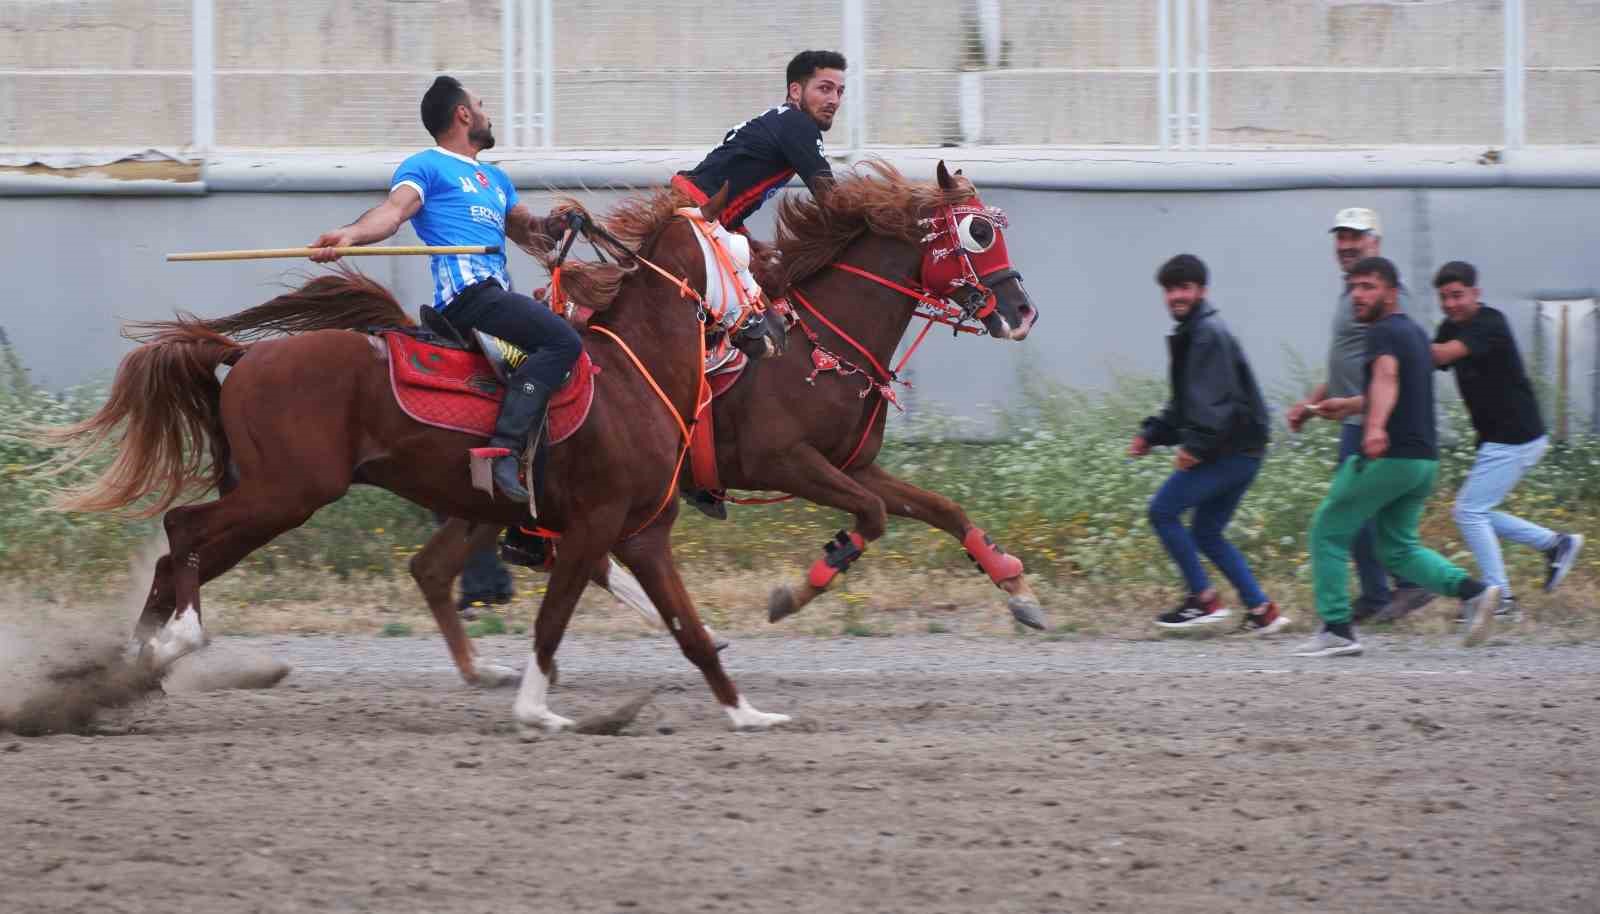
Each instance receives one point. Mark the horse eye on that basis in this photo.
(977, 233)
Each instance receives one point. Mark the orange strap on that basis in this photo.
(702, 400)
(682, 282)
(730, 273)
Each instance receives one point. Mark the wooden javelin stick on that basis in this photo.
(373, 251)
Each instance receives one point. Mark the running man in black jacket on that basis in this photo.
(1218, 420)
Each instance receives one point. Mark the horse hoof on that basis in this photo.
(494, 676)
(546, 724)
(1027, 612)
(781, 604)
(746, 718)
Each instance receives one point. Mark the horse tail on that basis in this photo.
(343, 300)
(163, 416)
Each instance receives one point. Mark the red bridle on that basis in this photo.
(963, 256)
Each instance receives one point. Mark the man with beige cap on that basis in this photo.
(1358, 234)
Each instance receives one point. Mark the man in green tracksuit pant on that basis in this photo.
(1390, 480)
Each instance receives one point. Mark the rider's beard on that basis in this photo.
(817, 117)
(481, 135)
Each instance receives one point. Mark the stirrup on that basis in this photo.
(709, 503)
(530, 550)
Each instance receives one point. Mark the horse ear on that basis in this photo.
(713, 207)
(945, 181)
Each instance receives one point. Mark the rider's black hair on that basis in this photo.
(439, 104)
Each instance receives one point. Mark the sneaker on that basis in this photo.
(1363, 609)
(1193, 613)
(1507, 611)
(1560, 558)
(1261, 624)
(1405, 601)
(1479, 613)
(1326, 644)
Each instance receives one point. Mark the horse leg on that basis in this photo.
(809, 475)
(434, 569)
(621, 584)
(902, 499)
(207, 540)
(574, 567)
(158, 605)
(649, 556)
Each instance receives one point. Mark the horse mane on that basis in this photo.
(813, 233)
(343, 300)
(635, 221)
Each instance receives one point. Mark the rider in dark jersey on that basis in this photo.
(758, 157)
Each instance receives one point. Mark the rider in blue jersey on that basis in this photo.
(453, 199)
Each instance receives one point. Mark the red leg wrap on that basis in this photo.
(836, 557)
(995, 562)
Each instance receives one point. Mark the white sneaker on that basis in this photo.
(1326, 644)
(1479, 613)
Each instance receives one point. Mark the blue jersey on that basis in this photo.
(463, 202)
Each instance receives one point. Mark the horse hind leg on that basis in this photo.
(816, 480)
(649, 556)
(902, 499)
(206, 540)
(621, 584)
(434, 569)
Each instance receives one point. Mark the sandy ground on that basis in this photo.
(930, 773)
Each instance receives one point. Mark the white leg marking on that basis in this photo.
(625, 587)
(532, 708)
(745, 716)
(181, 635)
(493, 675)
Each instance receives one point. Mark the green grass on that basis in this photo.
(395, 630)
(1054, 487)
(490, 624)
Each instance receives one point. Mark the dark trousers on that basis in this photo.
(551, 343)
(1375, 591)
(485, 576)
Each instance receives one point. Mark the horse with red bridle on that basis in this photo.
(876, 253)
(301, 417)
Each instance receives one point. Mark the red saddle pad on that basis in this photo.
(457, 390)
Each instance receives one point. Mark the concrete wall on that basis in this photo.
(680, 72)
(79, 264)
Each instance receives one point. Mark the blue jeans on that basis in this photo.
(1214, 490)
(1375, 592)
(1494, 474)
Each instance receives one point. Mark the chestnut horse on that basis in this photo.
(937, 240)
(789, 428)
(301, 418)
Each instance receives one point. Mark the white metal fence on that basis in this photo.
(624, 74)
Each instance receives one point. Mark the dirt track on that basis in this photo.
(929, 773)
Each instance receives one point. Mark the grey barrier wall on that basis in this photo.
(76, 265)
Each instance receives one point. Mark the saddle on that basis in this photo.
(442, 379)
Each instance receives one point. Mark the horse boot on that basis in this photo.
(521, 413)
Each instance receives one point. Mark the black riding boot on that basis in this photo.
(522, 412)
